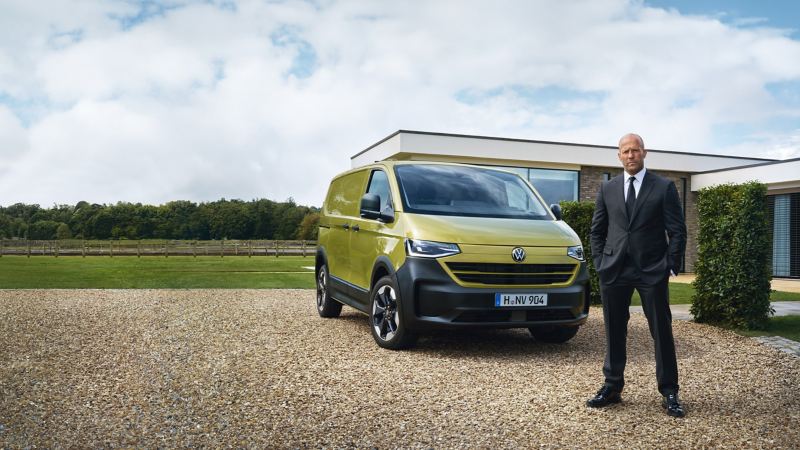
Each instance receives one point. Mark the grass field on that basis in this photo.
(681, 294)
(786, 326)
(232, 272)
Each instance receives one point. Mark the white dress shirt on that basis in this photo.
(637, 183)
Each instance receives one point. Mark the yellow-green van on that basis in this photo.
(424, 245)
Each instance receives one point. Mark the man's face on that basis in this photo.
(631, 154)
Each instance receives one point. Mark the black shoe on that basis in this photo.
(673, 405)
(605, 396)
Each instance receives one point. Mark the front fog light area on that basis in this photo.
(430, 249)
(576, 252)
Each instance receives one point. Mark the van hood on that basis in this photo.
(490, 231)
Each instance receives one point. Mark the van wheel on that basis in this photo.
(326, 306)
(553, 334)
(388, 329)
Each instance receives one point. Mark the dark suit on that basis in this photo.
(638, 253)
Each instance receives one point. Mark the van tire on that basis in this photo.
(385, 316)
(553, 334)
(326, 306)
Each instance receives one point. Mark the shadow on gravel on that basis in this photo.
(505, 343)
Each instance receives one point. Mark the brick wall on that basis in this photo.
(591, 177)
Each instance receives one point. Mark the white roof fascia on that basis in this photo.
(546, 152)
(379, 152)
(779, 175)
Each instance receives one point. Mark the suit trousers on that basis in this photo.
(616, 298)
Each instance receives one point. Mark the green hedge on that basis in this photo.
(733, 268)
(578, 215)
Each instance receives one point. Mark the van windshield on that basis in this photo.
(467, 191)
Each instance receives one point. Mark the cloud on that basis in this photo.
(151, 102)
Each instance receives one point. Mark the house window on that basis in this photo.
(555, 185)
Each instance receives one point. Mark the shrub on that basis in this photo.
(578, 215)
(732, 285)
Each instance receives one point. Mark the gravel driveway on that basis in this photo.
(258, 368)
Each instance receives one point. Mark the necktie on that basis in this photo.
(631, 198)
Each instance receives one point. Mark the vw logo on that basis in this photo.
(518, 254)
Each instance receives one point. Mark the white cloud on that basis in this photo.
(201, 102)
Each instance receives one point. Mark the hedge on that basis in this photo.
(578, 215)
(732, 284)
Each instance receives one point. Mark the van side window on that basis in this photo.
(379, 184)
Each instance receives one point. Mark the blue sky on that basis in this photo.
(151, 101)
(783, 14)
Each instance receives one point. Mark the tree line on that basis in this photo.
(221, 219)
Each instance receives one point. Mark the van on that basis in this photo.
(419, 246)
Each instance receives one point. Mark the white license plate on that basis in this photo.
(502, 300)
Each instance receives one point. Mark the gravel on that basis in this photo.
(255, 368)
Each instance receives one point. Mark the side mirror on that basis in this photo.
(371, 206)
(556, 209)
(370, 209)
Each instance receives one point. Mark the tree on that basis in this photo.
(63, 231)
(309, 227)
(43, 229)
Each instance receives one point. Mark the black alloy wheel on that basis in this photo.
(326, 306)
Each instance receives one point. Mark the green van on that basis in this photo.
(425, 245)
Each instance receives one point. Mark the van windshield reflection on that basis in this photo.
(467, 191)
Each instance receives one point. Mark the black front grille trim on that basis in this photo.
(510, 268)
(513, 279)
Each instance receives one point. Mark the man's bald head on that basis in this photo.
(632, 136)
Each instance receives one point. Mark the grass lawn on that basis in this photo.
(681, 294)
(234, 272)
(786, 326)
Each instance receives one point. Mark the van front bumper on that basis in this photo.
(431, 300)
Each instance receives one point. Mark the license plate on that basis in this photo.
(504, 300)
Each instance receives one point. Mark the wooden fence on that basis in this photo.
(150, 247)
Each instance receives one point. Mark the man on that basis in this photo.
(638, 237)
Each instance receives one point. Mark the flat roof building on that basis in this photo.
(568, 171)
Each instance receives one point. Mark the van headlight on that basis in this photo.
(430, 249)
(576, 251)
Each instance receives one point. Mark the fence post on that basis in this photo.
(194, 249)
(303, 243)
(166, 251)
(110, 249)
(236, 249)
(222, 249)
(83, 248)
(249, 249)
(276, 248)
(29, 248)
(2, 242)
(58, 249)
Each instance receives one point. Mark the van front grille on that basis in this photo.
(512, 274)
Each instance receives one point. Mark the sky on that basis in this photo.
(154, 101)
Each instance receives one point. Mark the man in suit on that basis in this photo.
(638, 237)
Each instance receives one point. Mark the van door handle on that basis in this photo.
(356, 228)
(346, 226)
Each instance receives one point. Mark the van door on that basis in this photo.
(342, 206)
(369, 240)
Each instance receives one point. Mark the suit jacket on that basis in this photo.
(653, 240)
